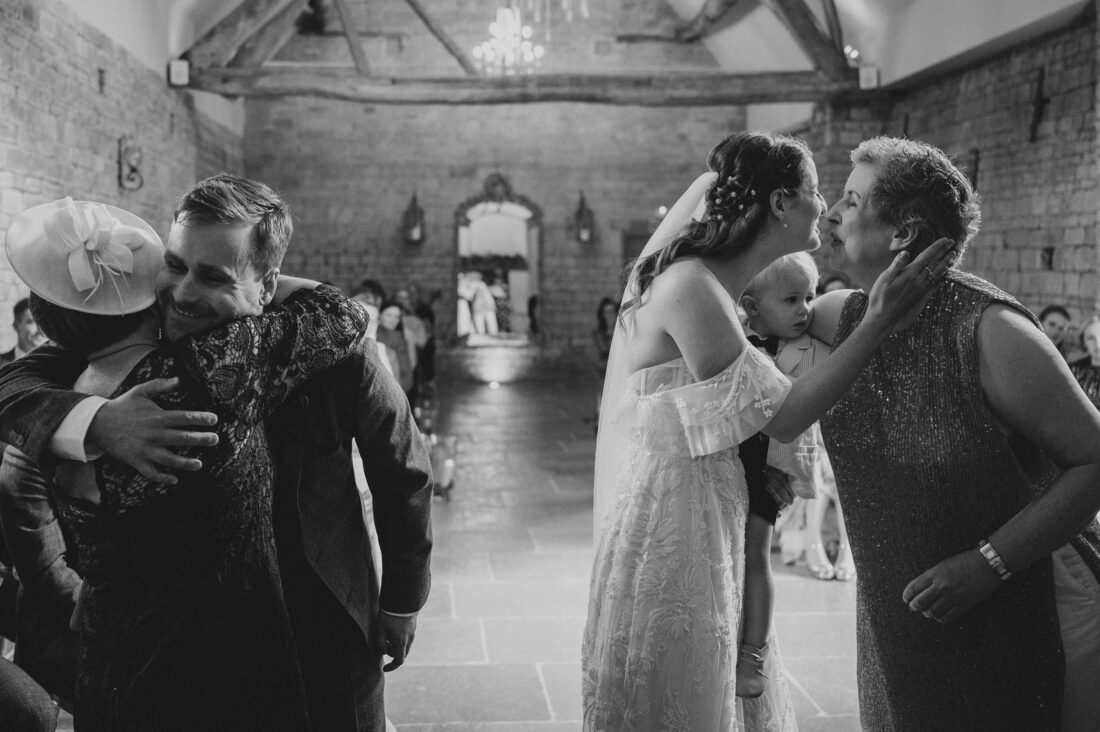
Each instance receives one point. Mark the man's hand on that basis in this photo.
(133, 429)
(397, 637)
(952, 587)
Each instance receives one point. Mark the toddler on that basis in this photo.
(777, 306)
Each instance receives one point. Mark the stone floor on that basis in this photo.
(498, 644)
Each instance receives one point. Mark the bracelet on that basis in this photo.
(994, 560)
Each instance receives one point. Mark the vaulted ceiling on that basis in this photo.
(707, 51)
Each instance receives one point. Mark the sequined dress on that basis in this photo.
(664, 617)
(183, 621)
(923, 474)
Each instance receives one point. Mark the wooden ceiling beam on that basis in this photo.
(355, 44)
(802, 24)
(703, 23)
(832, 22)
(453, 48)
(266, 42)
(657, 90)
(220, 44)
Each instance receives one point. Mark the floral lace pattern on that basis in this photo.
(182, 593)
(664, 616)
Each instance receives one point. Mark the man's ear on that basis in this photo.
(748, 304)
(904, 237)
(269, 282)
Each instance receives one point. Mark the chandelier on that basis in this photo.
(510, 49)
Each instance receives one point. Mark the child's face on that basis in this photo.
(783, 307)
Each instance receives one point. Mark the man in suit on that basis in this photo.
(27, 335)
(346, 613)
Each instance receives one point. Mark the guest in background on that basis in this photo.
(369, 292)
(399, 350)
(833, 281)
(606, 313)
(27, 335)
(484, 305)
(1087, 368)
(1058, 325)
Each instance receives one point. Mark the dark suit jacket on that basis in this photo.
(7, 357)
(310, 439)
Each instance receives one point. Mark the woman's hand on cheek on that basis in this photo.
(905, 283)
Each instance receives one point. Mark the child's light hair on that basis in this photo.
(797, 263)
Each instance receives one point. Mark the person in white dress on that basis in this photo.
(683, 389)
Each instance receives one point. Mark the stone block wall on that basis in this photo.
(67, 94)
(1040, 199)
(349, 170)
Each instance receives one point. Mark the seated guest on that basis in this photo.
(1058, 325)
(27, 334)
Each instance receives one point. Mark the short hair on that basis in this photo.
(22, 305)
(374, 287)
(1054, 309)
(84, 333)
(917, 185)
(798, 263)
(230, 199)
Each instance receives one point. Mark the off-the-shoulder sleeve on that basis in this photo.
(250, 365)
(726, 409)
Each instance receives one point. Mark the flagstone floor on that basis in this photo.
(498, 644)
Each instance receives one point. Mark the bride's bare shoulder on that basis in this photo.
(687, 280)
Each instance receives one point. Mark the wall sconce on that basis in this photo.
(129, 162)
(585, 222)
(412, 222)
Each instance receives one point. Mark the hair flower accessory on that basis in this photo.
(100, 246)
(65, 251)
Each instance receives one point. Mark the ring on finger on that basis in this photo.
(931, 276)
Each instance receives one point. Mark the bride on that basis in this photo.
(682, 391)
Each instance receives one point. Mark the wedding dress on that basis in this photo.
(670, 506)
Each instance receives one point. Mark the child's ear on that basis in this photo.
(903, 238)
(748, 304)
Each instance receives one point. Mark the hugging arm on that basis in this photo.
(398, 472)
(36, 398)
(1030, 389)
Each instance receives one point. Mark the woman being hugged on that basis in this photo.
(683, 390)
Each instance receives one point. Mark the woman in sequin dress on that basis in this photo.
(683, 390)
(182, 619)
(967, 460)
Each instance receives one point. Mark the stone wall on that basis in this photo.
(67, 95)
(1040, 199)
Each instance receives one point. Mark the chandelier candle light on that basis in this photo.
(509, 50)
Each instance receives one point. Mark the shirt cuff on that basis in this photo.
(400, 615)
(68, 441)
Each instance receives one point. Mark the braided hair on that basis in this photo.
(750, 166)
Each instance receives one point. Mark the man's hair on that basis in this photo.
(84, 333)
(797, 263)
(21, 306)
(230, 199)
(917, 185)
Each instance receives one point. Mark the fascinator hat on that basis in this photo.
(84, 256)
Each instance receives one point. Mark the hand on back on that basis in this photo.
(132, 428)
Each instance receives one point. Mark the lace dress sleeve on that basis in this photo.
(250, 365)
(725, 410)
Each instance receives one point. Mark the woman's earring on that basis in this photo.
(784, 223)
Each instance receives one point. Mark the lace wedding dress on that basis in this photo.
(660, 645)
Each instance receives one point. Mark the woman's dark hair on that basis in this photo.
(750, 166)
(1050, 309)
(84, 333)
(604, 325)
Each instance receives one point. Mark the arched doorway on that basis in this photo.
(498, 238)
